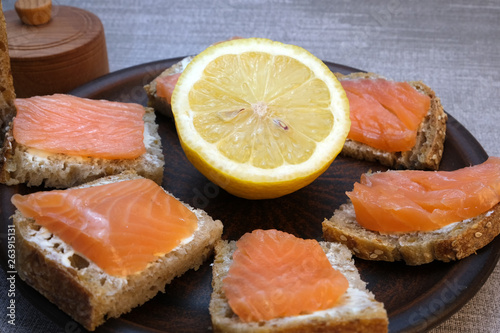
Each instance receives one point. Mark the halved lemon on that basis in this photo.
(260, 118)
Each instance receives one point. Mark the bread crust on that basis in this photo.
(428, 150)
(454, 242)
(83, 290)
(371, 316)
(21, 165)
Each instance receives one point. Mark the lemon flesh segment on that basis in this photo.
(267, 120)
(260, 124)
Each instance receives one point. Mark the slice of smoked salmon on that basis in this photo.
(80, 127)
(121, 226)
(406, 201)
(165, 86)
(275, 274)
(385, 114)
(366, 125)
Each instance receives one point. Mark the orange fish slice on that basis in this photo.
(366, 126)
(165, 86)
(275, 274)
(406, 201)
(121, 226)
(385, 114)
(80, 127)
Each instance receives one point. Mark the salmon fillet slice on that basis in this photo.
(410, 200)
(385, 114)
(275, 274)
(121, 226)
(80, 127)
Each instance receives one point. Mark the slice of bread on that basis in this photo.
(7, 94)
(357, 310)
(427, 152)
(453, 242)
(83, 290)
(156, 102)
(22, 164)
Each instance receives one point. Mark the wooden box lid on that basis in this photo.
(58, 56)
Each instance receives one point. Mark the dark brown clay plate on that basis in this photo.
(416, 298)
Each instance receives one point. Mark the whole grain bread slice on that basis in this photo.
(22, 164)
(83, 290)
(428, 150)
(356, 311)
(453, 242)
(7, 93)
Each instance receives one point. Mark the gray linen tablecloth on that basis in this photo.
(453, 46)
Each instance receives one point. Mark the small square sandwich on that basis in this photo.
(401, 125)
(62, 141)
(272, 281)
(100, 249)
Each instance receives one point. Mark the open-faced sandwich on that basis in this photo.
(159, 91)
(272, 281)
(398, 124)
(420, 216)
(62, 140)
(105, 247)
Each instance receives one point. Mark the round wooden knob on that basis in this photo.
(34, 12)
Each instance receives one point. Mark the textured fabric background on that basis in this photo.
(453, 46)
